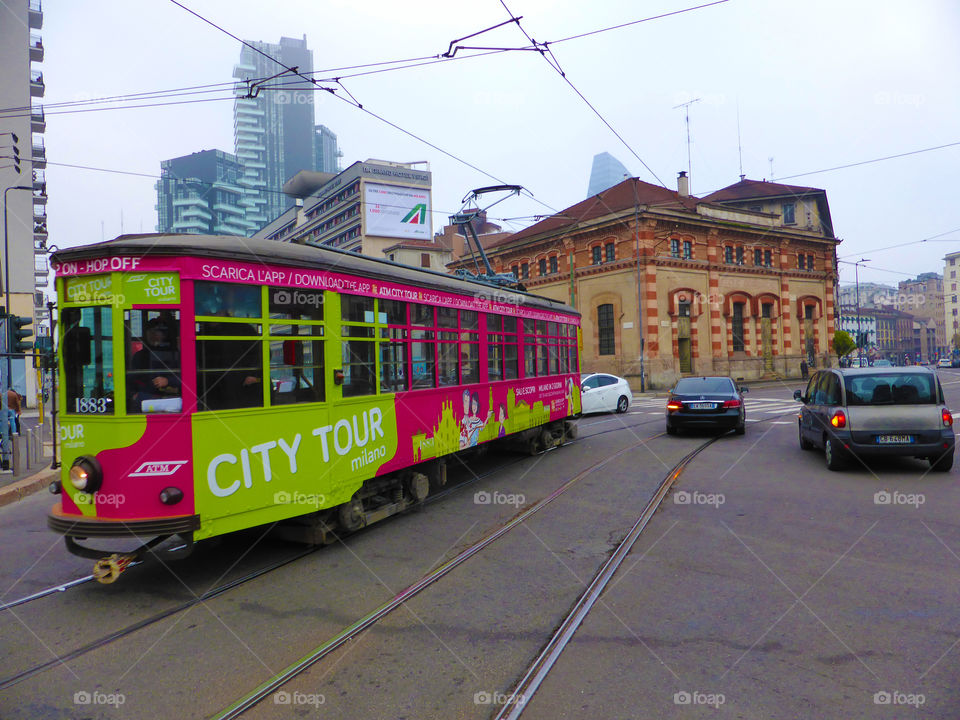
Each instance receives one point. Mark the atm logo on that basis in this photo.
(158, 469)
(417, 215)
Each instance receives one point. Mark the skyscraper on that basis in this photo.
(23, 160)
(274, 131)
(200, 193)
(606, 172)
(328, 153)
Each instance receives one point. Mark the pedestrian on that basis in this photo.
(13, 410)
(804, 369)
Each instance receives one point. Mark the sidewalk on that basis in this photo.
(35, 477)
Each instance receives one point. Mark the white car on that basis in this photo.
(944, 363)
(600, 392)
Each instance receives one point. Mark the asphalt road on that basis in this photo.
(779, 590)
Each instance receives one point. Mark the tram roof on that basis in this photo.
(232, 247)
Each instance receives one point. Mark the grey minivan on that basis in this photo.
(876, 411)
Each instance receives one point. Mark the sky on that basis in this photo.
(783, 88)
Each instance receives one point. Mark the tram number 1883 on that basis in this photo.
(91, 405)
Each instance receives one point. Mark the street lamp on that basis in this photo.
(856, 275)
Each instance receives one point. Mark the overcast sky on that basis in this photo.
(818, 84)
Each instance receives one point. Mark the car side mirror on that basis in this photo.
(583, 388)
(744, 389)
(798, 395)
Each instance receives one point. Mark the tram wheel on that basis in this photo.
(351, 515)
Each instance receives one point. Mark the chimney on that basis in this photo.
(683, 184)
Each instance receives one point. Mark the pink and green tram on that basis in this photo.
(210, 384)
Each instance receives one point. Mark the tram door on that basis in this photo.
(766, 337)
(808, 335)
(683, 338)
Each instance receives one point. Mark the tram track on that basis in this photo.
(134, 627)
(541, 666)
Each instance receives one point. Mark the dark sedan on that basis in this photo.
(706, 403)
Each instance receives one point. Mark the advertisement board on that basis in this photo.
(394, 211)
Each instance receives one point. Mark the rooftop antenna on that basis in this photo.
(770, 160)
(739, 145)
(686, 107)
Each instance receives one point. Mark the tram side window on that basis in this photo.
(229, 372)
(294, 311)
(423, 349)
(88, 359)
(494, 347)
(510, 356)
(227, 300)
(358, 346)
(296, 371)
(152, 343)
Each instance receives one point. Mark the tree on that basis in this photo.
(843, 343)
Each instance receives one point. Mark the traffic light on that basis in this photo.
(44, 359)
(17, 325)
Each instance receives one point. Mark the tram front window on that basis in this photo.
(152, 341)
(88, 359)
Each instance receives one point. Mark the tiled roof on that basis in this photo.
(622, 196)
(751, 189)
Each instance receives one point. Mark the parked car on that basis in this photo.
(860, 412)
(600, 392)
(944, 363)
(706, 402)
(882, 363)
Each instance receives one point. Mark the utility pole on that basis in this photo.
(856, 275)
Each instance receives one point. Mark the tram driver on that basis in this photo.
(155, 368)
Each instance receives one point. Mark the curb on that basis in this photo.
(20, 489)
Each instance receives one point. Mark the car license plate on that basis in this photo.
(702, 406)
(894, 439)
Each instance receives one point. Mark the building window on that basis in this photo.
(728, 254)
(524, 271)
(425, 260)
(605, 329)
(767, 258)
(674, 247)
(553, 265)
(597, 254)
(608, 252)
(737, 327)
(542, 266)
(516, 271)
(789, 214)
(758, 257)
(739, 254)
(809, 262)
(802, 262)
(687, 250)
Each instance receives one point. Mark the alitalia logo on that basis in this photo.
(417, 215)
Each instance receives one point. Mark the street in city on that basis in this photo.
(765, 586)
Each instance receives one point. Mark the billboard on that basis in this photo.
(394, 211)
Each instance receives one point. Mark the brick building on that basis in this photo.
(738, 283)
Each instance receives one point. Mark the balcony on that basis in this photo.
(40, 181)
(40, 233)
(37, 87)
(39, 214)
(41, 268)
(35, 15)
(38, 154)
(36, 48)
(38, 121)
(39, 197)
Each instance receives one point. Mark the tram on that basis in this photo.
(210, 384)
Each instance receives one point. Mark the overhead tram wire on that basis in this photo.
(867, 162)
(552, 61)
(900, 245)
(354, 103)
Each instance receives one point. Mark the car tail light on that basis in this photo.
(947, 418)
(674, 405)
(838, 419)
(731, 403)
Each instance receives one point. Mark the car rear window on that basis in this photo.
(689, 386)
(891, 389)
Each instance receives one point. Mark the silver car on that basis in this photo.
(857, 412)
(600, 392)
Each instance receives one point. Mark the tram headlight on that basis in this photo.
(86, 474)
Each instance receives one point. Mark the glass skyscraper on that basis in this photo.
(606, 172)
